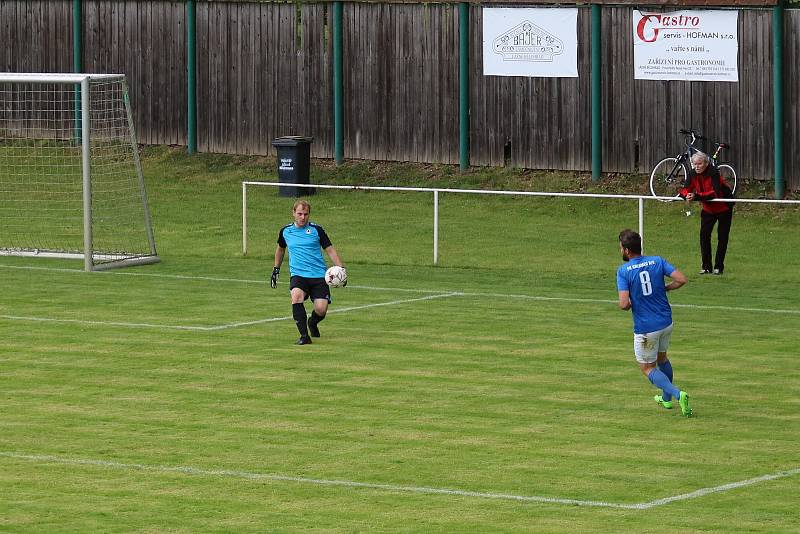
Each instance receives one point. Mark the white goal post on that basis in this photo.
(71, 183)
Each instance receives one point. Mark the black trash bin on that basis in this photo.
(294, 164)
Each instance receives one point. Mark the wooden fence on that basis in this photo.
(265, 70)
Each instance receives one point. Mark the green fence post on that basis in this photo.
(463, 85)
(191, 77)
(597, 104)
(777, 95)
(338, 89)
(77, 33)
(77, 55)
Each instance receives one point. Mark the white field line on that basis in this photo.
(128, 273)
(337, 310)
(187, 470)
(396, 289)
(218, 327)
(719, 489)
(735, 308)
(609, 301)
(100, 323)
(200, 278)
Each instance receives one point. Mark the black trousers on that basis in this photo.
(707, 222)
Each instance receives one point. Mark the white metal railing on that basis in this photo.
(436, 191)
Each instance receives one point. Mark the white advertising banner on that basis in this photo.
(536, 42)
(686, 45)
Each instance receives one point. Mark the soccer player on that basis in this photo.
(305, 242)
(640, 282)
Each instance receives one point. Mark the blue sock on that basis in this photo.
(660, 380)
(666, 368)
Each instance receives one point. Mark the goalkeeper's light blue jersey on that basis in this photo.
(305, 247)
(643, 278)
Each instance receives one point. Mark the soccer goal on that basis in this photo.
(71, 183)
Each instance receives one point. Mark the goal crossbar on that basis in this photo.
(23, 77)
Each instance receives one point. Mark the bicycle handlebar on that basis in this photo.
(693, 136)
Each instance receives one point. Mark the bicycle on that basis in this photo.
(669, 175)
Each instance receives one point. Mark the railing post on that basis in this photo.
(244, 219)
(641, 220)
(436, 227)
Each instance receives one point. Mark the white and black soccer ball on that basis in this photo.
(336, 276)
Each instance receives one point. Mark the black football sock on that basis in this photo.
(315, 319)
(299, 314)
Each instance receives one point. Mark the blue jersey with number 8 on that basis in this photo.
(643, 278)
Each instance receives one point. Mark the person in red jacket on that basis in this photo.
(704, 183)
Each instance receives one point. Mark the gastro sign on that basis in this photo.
(686, 45)
(651, 24)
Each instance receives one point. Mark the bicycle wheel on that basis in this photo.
(729, 175)
(667, 178)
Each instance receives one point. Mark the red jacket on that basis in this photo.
(703, 188)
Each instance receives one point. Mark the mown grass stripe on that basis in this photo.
(409, 290)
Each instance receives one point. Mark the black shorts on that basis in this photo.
(316, 288)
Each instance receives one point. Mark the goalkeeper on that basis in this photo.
(305, 242)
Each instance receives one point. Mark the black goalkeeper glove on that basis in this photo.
(273, 280)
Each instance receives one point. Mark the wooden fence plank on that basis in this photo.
(264, 72)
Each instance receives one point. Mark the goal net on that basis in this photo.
(71, 182)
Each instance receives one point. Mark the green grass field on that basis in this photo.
(496, 392)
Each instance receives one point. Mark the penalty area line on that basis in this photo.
(195, 471)
(217, 327)
(337, 310)
(163, 469)
(719, 489)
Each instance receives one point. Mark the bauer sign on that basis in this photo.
(535, 42)
(686, 45)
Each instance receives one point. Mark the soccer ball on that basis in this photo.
(336, 276)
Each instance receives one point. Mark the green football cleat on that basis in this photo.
(683, 400)
(666, 404)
